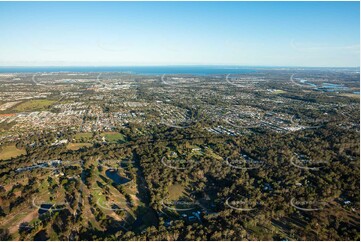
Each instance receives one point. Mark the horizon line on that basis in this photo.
(177, 65)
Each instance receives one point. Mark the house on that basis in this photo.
(346, 202)
(192, 219)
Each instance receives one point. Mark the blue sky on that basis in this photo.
(180, 33)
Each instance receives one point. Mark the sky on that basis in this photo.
(309, 34)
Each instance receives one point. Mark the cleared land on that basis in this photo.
(8, 105)
(77, 146)
(10, 151)
(34, 105)
(351, 95)
(175, 191)
(278, 91)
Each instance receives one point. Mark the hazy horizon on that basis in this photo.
(180, 65)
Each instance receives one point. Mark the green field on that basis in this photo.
(82, 137)
(10, 151)
(34, 105)
(112, 137)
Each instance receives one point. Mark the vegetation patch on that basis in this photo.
(175, 191)
(83, 137)
(77, 146)
(113, 137)
(10, 151)
(278, 91)
(350, 95)
(34, 105)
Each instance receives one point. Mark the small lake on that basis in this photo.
(117, 179)
(44, 208)
(331, 87)
(308, 83)
(327, 87)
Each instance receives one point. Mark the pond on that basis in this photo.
(44, 208)
(326, 87)
(117, 179)
(331, 87)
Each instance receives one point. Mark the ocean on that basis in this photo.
(139, 70)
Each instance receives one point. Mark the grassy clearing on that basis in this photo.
(175, 191)
(351, 95)
(10, 151)
(77, 146)
(113, 137)
(34, 105)
(278, 91)
(210, 153)
(82, 137)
